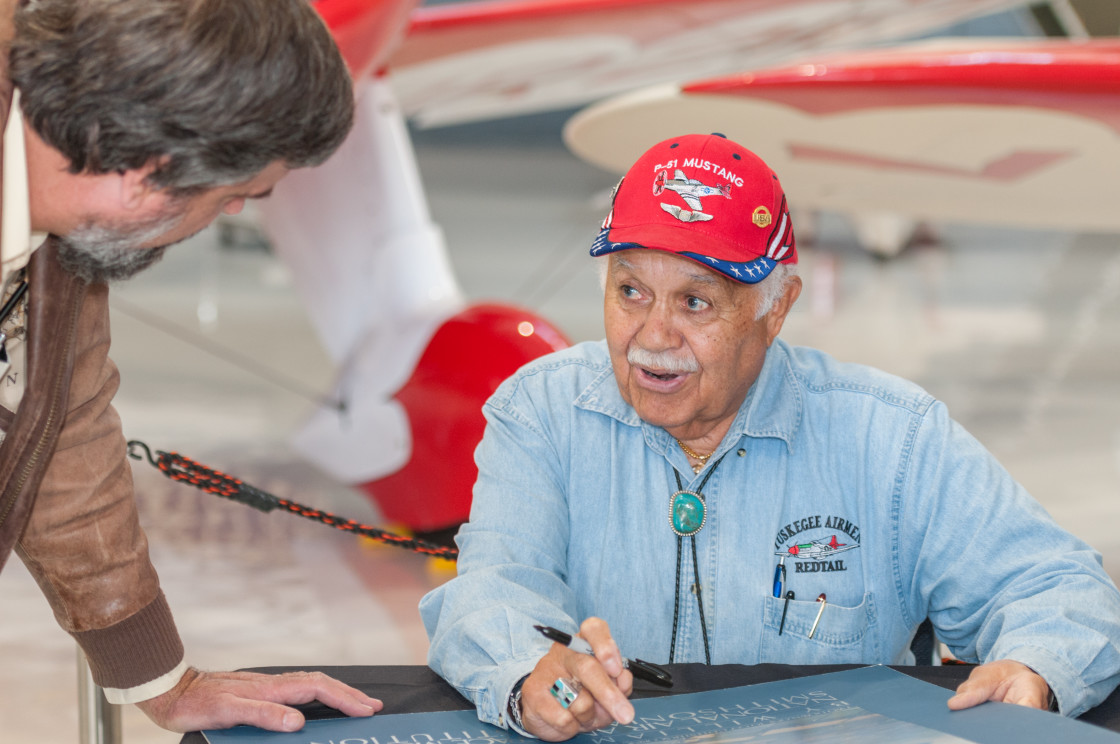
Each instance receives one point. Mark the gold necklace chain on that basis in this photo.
(695, 456)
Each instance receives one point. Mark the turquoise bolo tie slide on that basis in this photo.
(687, 513)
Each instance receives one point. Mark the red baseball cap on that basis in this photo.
(707, 198)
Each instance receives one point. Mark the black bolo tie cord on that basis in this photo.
(695, 572)
(185, 470)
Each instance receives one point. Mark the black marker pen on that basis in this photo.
(640, 669)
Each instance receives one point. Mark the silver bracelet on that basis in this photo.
(514, 704)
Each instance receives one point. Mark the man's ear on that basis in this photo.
(777, 315)
(136, 187)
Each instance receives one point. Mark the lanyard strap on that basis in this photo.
(10, 305)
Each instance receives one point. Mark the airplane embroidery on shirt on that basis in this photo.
(817, 550)
(689, 189)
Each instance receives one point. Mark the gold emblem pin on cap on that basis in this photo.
(761, 217)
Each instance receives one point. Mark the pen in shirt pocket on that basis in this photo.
(785, 609)
(823, 601)
(779, 577)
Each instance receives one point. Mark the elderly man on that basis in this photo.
(129, 125)
(668, 479)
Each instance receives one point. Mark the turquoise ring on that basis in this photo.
(565, 690)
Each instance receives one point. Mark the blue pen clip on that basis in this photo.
(779, 577)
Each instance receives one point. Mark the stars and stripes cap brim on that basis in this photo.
(747, 272)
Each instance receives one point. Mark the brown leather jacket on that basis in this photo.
(66, 500)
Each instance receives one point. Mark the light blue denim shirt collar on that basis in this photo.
(772, 408)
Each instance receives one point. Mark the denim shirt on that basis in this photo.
(874, 496)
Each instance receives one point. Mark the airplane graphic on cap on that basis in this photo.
(689, 189)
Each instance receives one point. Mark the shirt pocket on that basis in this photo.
(844, 635)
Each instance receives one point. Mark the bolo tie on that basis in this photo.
(687, 516)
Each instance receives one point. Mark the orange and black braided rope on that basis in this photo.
(185, 470)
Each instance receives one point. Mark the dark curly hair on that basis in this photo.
(210, 91)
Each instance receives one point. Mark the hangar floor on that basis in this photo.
(1018, 331)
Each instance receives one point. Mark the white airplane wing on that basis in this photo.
(1021, 132)
(692, 202)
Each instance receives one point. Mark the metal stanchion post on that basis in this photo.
(99, 721)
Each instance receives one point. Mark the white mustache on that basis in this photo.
(663, 361)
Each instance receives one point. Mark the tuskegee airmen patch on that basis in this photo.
(816, 544)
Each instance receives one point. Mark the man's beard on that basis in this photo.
(107, 252)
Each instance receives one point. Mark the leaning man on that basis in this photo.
(129, 125)
(647, 489)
